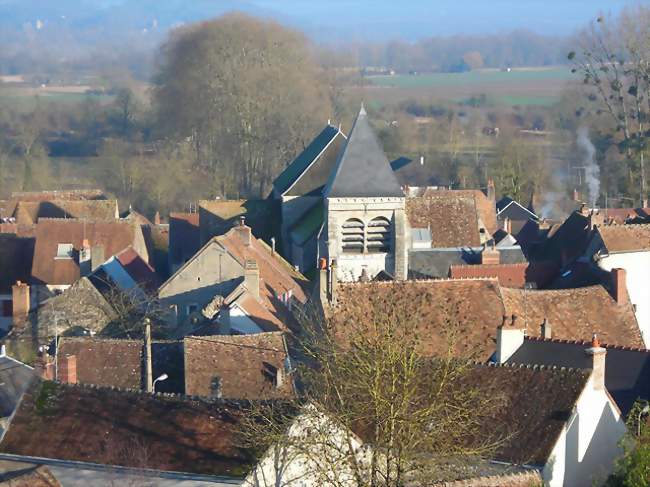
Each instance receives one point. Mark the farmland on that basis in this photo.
(518, 87)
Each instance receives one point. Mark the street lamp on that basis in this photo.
(161, 378)
(645, 410)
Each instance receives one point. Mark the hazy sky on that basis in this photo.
(415, 18)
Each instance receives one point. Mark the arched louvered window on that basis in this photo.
(353, 236)
(378, 235)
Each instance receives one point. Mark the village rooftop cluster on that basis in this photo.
(119, 330)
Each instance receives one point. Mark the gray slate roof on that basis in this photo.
(435, 263)
(362, 169)
(627, 372)
(15, 377)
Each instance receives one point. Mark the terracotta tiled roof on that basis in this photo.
(105, 362)
(532, 408)
(574, 314)
(244, 365)
(509, 275)
(472, 308)
(139, 270)
(127, 428)
(28, 212)
(625, 238)
(454, 216)
(113, 236)
(277, 277)
(68, 195)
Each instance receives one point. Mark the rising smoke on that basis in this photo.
(592, 170)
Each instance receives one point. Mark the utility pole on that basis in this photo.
(147, 351)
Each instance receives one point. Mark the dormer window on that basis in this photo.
(64, 251)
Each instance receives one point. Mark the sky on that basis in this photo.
(413, 19)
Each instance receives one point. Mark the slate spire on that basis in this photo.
(362, 169)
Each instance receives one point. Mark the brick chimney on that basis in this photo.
(576, 195)
(597, 354)
(156, 218)
(252, 277)
(547, 332)
(20, 302)
(491, 190)
(507, 225)
(244, 231)
(509, 340)
(68, 369)
(619, 285)
(44, 367)
(85, 258)
(490, 255)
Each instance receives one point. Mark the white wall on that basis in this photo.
(637, 267)
(585, 452)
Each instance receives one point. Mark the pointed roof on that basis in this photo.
(363, 169)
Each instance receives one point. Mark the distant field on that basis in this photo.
(24, 98)
(524, 86)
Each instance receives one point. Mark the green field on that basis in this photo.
(522, 87)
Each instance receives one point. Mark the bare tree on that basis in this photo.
(614, 60)
(375, 410)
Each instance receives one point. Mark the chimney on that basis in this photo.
(644, 202)
(576, 194)
(364, 277)
(491, 190)
(156, 218)
(272, 245)
(148, 356)
(507, 225)
(279, 377)
(322, 281)
(547, 332)
(244, 231)
(96, 257)
(20, 302)
(85, 258)
(333, 282)
(598, 354)
(490, 255)
(508, 340)
(44, 367)
(252, 277)
(68, 369)
(619, 285)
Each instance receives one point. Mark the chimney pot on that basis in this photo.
(597, 354)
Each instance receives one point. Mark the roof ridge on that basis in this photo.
(587, 343)
(419, 281)
(535, 367)
(513, 264)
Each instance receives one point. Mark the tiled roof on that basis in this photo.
(119, 363)
(362, 169)
(68, 195)
(509, 275)
(436, 263)
(277, 277)
(532, 408)
(574, 314)
(105, 362)
(113, 236)
(131, 429)
(19, 474)
(244, 365)
(139, 269)
(472, 308)
(454, 216)
(28, 212)
(625, 238)
(627, 371)
(301, 164)
(16, 256)
(625, 215)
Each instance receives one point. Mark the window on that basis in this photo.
(378, 235)
(64, 251)
(353, 236)
(215, 387)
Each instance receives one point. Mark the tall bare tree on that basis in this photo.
(614, 60)
(245, 92)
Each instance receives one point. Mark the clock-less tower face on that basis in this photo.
(365, 210)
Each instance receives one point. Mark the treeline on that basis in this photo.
(459, 53)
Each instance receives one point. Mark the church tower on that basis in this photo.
(365, 222)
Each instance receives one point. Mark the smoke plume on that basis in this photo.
(592, 170)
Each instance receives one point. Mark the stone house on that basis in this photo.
(236, 282)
